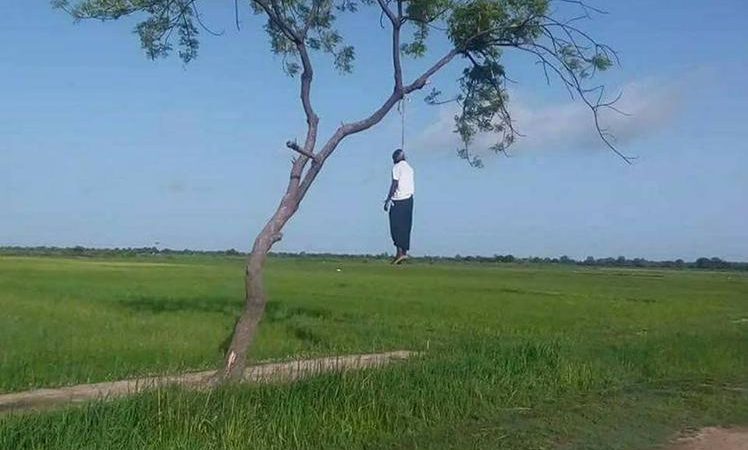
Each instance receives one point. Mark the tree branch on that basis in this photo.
(297, 148)
(573, 84)
(388, 12)
(551, 56)
(421, 81)
(236, 15)
(201, 23)
(346, 130)
(274, 15)
(311, 19)
(307, 76)
(429, 21)
(396, 20)
(307, 152)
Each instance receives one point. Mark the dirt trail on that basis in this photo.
(714, 439)
(40, 399)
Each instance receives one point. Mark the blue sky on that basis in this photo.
(101, 147)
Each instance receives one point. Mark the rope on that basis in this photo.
(401, 109)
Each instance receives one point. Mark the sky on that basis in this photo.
(101, 147)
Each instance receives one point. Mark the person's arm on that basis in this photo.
(393, 186)
(393, 189)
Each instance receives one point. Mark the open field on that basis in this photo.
(516, 357)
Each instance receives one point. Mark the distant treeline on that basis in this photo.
(103, 252)
(621, 261)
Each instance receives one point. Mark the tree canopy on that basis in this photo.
(480, 31)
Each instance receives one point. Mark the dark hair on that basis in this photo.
(397, 154)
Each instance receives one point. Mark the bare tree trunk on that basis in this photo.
(255, 296)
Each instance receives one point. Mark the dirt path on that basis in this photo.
(39, 399)
(714, 439)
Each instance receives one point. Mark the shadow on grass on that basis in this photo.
(638, 300)
(275, 311)
(527, 292)
(166, 304)
(305, 334)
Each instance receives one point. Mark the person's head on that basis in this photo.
(397, 156)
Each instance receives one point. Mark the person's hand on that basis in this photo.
(387, 205)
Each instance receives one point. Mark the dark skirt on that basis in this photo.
(401, 222)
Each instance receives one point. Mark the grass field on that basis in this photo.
(518, 357)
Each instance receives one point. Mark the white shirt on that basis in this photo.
(406, 187)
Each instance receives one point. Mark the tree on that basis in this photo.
(478, 32)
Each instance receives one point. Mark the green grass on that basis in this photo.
(519, 357)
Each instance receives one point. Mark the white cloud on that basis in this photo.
(649, 107)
